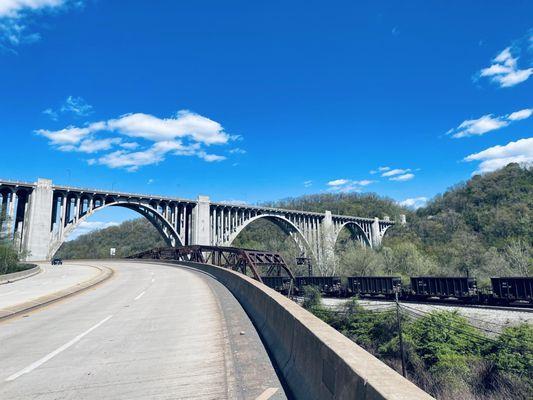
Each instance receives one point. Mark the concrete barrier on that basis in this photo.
(16, 276)
(315, 360)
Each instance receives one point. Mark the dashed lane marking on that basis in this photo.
(54, 353)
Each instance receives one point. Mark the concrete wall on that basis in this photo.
(316, 361)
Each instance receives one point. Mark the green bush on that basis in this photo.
(513, 350)
(444, 340)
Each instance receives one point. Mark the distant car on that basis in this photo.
(57, 261)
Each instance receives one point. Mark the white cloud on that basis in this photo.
(497, 157)
(184, 124)
(15, 14)
(308, 184)
(129, 145)
(70, 135)
(504, 70)
(348, 185)
(393, 172)
(150, 181)
(415, 202)
(380, 169)
(77, 106)
(13, 8)
(51, 113)
(210, 157)
(487, 123)
(363, 182)
(237, 151)
(338, 182)
(182, 135)
(402, 178)
(522, 114)
(89, 226)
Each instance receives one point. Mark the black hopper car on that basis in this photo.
(464, 290)
(384, 286)
(279, 283)
(509, 289)
(328, 285)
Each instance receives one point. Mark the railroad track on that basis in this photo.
(523, 308)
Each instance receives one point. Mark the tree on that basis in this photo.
(519, 254)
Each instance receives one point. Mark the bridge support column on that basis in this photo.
(326, 256)
(202, 229)
(37, 234)
(375, 233)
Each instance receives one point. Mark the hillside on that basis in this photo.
(127, 238)
(481, 227)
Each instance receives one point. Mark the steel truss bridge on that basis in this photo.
(234, 258)
(41, 215)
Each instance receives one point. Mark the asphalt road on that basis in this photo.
(150, 332)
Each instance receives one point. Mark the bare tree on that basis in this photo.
(519, 255)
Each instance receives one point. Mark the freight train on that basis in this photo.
(503, 290)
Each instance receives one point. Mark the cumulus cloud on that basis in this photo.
(338, 182)
(348, 185)
(519, 115)
(504, 69)
(380, 169)
(393, 172)
(185, 134)
(497, 157)
(402, 178)
(15, 14)
(488, 123)
(415, 202)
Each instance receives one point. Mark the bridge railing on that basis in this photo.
(316, 361)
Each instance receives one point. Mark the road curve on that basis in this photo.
(153, 331)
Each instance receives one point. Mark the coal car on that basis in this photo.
(506, 290)
(462, 288)
(328, 285)
(374, 285)
(279, 283)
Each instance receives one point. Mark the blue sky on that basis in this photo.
(255, 101)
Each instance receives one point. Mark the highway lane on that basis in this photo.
(151, 332)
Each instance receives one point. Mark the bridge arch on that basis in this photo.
(165, 229)
(355, 230)
(285, 225)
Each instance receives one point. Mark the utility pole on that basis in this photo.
(402, 353)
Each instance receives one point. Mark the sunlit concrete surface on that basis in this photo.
(150, 332)
(52, 278)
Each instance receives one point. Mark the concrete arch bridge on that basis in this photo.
(41, 215)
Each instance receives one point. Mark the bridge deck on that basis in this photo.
(152, 331)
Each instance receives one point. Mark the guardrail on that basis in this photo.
(15, 276)
(315, 360)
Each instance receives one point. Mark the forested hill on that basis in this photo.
(368, 205)
(481, 227)
(128, 238)
(497, 206)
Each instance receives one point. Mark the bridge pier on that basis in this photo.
(37, 233)
(202, 221)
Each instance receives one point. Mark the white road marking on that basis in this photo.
(267, 394)
(140, 295)
(54, 353)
